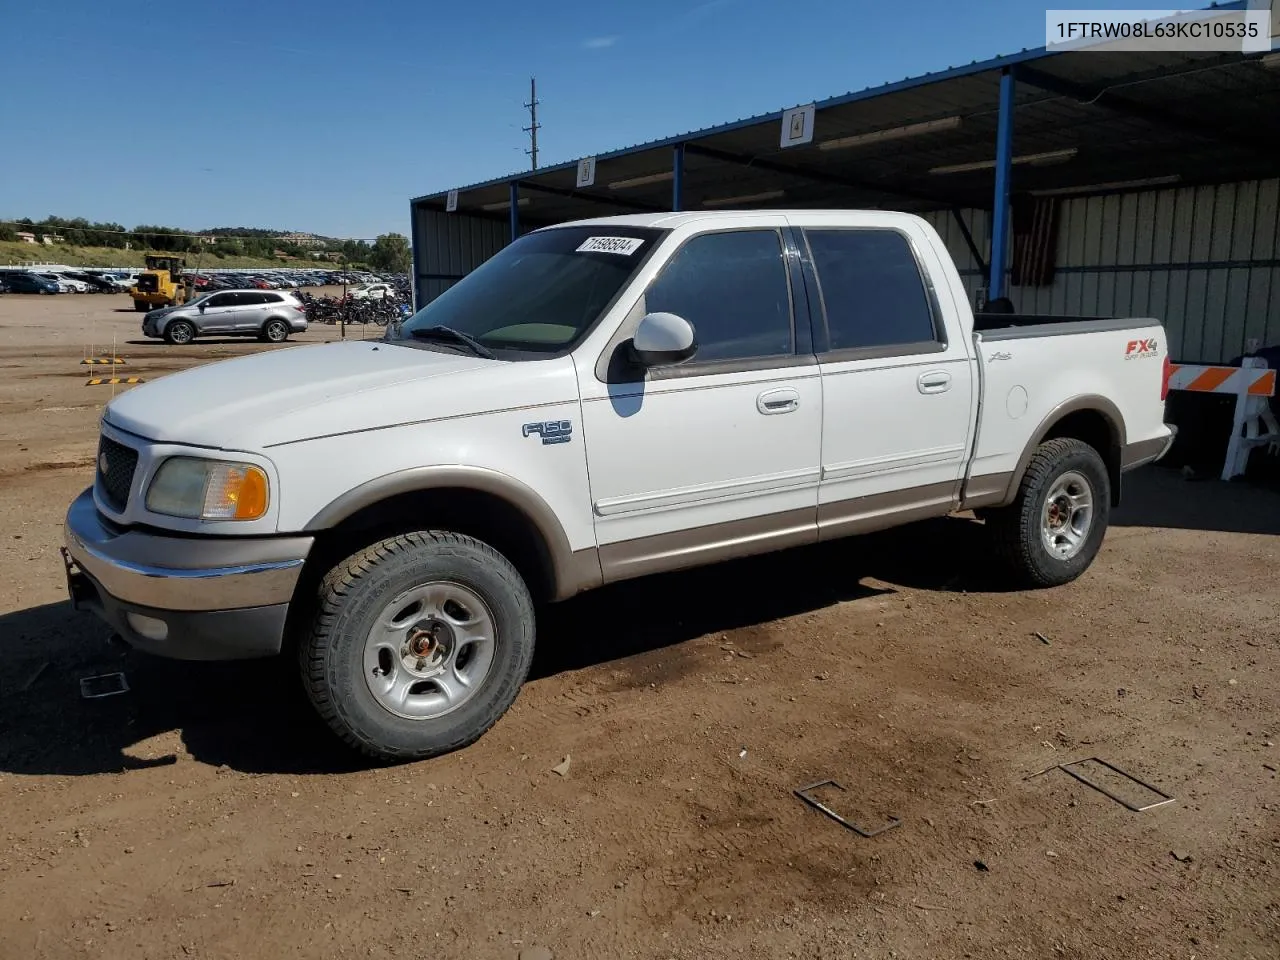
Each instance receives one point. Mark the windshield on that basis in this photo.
(542, 293)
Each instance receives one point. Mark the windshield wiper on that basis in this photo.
(457, 336)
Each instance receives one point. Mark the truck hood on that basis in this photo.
(284, 396)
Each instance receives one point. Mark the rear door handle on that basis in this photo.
(934, 381)
(778, 401)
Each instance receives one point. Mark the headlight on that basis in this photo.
(208, 490)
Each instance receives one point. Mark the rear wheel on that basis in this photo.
(275, 331)
(179, 332)
(419, 644)
(1054, 528)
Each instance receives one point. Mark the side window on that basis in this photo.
(733, 288)
(220, 300)
(872, 290)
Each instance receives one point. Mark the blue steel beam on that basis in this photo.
(677, 179)
(1004, 174)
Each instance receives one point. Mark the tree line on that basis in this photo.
(389, 252)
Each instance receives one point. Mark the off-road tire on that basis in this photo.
(1016, 529)
(176, 325)
(351, 596)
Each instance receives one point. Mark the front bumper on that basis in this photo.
(191, 598)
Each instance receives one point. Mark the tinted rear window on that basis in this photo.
(872, 291)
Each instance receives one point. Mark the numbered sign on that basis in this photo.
(587, 172)
(451, 201)
(797, 126)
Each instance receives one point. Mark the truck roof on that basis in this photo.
(672, 220)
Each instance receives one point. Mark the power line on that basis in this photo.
(534, 126)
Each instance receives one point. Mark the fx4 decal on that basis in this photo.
(1140, 348)
(551, 431)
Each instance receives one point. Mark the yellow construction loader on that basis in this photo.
(162, 284)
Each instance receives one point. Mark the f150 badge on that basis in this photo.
(551, 431)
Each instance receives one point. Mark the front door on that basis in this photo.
(219, 313)
(717, 456)
(897, 389)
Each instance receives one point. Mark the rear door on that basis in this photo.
(253, 309)
(897, 386)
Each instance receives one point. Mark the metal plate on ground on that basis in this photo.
(1136, 807)
(1111, 768)
(103, 685)
(803, 794)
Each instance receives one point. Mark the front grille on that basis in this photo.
(116, 464)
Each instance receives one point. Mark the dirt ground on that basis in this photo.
(205, 813)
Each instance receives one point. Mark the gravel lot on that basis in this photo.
(206, 814)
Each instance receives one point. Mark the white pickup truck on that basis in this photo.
(601, 400)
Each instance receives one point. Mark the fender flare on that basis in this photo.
(1093, 403)
(572, 571)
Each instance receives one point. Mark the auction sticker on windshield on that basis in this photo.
(625, 246)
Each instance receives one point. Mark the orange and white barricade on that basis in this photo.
(1254, 425)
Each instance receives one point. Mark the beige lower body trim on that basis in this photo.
(988, 490)
(705, 545)
(1144, 451)
(777, 531)
(867, 514)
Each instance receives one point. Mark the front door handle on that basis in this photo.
(778, 401)
(934, 381)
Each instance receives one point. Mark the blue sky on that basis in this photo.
(329, 116)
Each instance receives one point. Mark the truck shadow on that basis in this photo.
(254, 717)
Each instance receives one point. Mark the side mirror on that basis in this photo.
(663, 338)
(202, 304)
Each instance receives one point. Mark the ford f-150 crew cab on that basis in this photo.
(600, 400)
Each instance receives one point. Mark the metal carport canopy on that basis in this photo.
(1087, 122)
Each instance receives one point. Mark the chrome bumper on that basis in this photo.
(219, 597)
(183, 573)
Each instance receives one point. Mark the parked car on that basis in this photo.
(372, 291)
(597, 401)
(265, 315)
(95, 283)
(26, 282)
(66, 283)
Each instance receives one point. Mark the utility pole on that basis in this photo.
(534, 126)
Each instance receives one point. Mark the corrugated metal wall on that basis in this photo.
(1203, 260)
(448, 246)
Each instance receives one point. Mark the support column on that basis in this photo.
(677, 180)
(1004, 174)
(515, 210)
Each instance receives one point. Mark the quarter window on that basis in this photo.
(733, 288)
(872, 292)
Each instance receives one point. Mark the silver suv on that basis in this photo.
(264, 314)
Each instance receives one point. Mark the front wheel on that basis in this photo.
(179, 332)
(419, 644)
(1053, 529)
